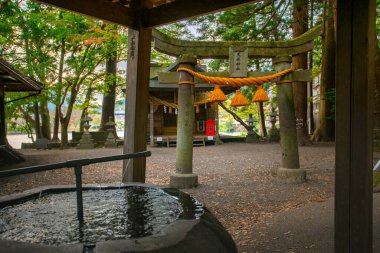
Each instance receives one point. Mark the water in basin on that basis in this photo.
(109, 214)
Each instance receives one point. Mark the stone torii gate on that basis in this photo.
(187, 53)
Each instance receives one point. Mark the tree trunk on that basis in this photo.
(65, 120)
(64, 133)
(263, 129)
(108, 105)
(310, 98)
(45, 120)
(37, 125)
(58, 99)
(85, 107)
(82, 115)
(300, 26)
(326, 123)
(56, 125)
(310, 84)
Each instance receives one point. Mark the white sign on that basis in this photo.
(210, 138)
(159, 138)
(238, 61)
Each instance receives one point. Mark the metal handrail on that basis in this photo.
(77, 165)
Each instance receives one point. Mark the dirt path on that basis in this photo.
(237, 180)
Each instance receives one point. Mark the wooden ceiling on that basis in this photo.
(145, 13)
(148, 3)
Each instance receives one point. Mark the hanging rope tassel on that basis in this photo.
(239, 99)
(260, 95)
(217, 95)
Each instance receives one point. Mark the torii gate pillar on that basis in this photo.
(184, 177)
(290, 171)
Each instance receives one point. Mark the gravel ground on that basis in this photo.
(237, 180)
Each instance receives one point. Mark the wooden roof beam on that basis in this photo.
(100, 9)
(12, 79)
(183, 9)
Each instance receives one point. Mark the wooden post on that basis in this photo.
(355, 76)
(136, 106)
(184, 177)
(217, 137)
(290, 171)
(3, 126)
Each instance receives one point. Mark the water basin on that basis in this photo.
(132, 218)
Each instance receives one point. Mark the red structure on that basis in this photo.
(210, 127)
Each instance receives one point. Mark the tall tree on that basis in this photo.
(30, 37)
(37, 59)
(81, 64)
(300, 26)
(310, 109)
(58, 90)
(325, 124)
(109, 97)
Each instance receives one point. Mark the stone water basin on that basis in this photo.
(128, 218)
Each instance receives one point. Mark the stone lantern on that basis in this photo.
(111, 140)
(274, 133)
(86, 141)
(252, 136)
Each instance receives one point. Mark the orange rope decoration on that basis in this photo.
(236, 82)
(260, 95)
(186, 82)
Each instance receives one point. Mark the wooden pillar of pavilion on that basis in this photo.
(3, 138)
(290, 171)
(136, 112)
(184, 177)
(355, 78)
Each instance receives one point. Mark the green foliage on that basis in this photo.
(218, 65)
(35, 37)
(265, 20)
(163, 60)
(317, 57)
(178, 30)
(378, 23)
(227, 126)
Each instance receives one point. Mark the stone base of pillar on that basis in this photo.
(183, 181)
(291, 176)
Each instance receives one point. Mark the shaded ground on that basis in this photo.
(237, 180)
(307, 229)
